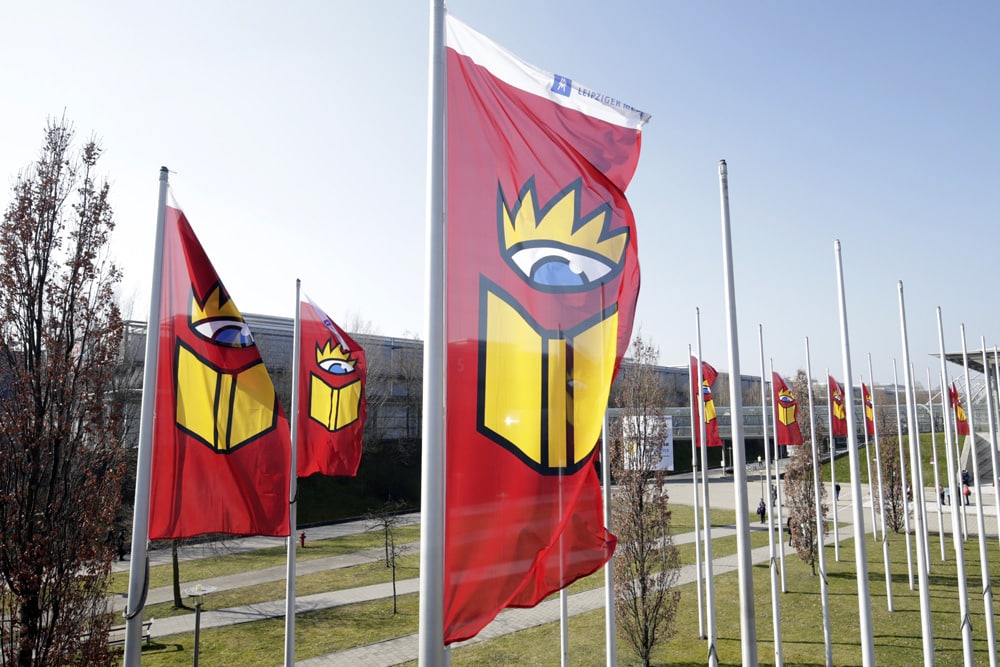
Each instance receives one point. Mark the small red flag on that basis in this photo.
(961, 419)
(708, 376)
(332, 404)
(869, 410)
(785, 409)
(838, 414)
(221, 445)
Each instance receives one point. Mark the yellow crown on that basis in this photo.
(327, 353)
(560, 222)
(216, 305)
(785, 392)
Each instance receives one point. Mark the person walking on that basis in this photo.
(836, 493)
(762, 510)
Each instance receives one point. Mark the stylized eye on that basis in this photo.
(227, 332)
(337, 366)
(785, 399)
(551, 266)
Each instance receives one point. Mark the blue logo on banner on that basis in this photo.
(562, 85)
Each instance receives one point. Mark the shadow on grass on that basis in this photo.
(156, 647)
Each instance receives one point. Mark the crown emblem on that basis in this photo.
(334, 359)
(785, 395)
(218, 320)
(216, 305)
(556, 248)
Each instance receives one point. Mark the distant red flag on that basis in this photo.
(332, 403)
(221, 445)
(708, 376)
(785, 409)
(838, 414)
(869, 410)
(961, 419)
(543, 278)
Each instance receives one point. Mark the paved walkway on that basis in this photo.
(403, 649)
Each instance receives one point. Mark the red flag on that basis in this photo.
(961, 420)
(708, 376)
(869, 410)
(543, 278)
(785, 408)
(221, 447)
(332, 406)
(838, 414)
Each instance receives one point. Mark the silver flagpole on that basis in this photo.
(820, 523)
(610, 643)
(293, 482)
(956, 498)
(833, 469)
(938, 489)
(696, 385)
(993, 432)
(860, 552)
(771, 548)
(902, 472)
(432, 479)
(984, 557)
(748, 625)
(921, 504)
(881, 489)
(926, 628)
(713, 656)
(138, 582)
(777, 481)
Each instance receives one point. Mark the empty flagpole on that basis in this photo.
(696, 385)
(138, 582)
(772, 562)
(922, 523)
(963, 585)
(610, 643)
(431, 616)
(818, 500)
(860, 551)
(748, 625)
(881, 488)
(293, 482)
(916, 474)
(938, 489)
(992, 424)
(902, 471)
(777, 481)
(833, 474)
(713, 656)
(984, 557)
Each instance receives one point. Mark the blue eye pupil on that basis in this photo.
(556, 273)
(233, 336)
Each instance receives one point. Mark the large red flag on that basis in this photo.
(785, 409)
(543, 278)
(708, 376)
(961, 420)
(221, 446)
(332, 404)
(838, 414)
(869, 410)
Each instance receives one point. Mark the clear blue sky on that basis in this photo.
(297, 136)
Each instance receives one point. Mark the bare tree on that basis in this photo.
(646, 561)
(387, 518)
(61, 461)
(892, 485)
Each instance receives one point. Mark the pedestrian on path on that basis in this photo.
(947, 495)
(836, 493)
(762, 510)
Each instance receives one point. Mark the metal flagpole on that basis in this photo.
(610, 644)
(992, 424)
(748, 626)
(833, 474)
(860, 552)
(777, 481)
(902, 475)
(713, 656)
(138, 573)
(820, 523)
(926, 628)
(956, 498)
(772, 562)
(937, 467)
(881, 489)
(984, 557)
(696, 385)
(293, 481)
(921, 499)
(432, 479)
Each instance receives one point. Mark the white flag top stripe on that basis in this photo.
(561, 90)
